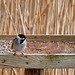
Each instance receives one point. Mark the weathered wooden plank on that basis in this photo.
(42, 37)
(38, 61)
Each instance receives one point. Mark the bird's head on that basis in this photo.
(21, 37)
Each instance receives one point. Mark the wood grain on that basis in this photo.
(42, 37)
(38, 61)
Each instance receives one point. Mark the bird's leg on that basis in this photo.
(13, 52)
(22, 54)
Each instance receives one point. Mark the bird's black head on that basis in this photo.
(23, 37)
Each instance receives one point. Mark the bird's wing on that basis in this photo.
(12, 43)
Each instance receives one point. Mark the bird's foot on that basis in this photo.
(13, 52)
(22, 54)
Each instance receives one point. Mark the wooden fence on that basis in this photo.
(37, 17)
(37, 62)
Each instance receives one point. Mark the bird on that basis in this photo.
(19, 43)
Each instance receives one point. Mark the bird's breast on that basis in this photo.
(19, 47)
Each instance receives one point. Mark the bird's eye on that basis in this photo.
(23, 38)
